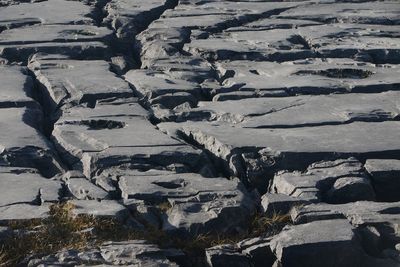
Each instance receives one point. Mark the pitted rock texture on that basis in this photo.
(194, 118)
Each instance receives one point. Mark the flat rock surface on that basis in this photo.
(199, 122)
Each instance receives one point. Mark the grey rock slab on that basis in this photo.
(280, 203)
(71, 82)
(386, 13)
(385, 175)
(83, 189)
(16, 87)
(78, 41)
(45, 12)
(20, 185)
(350, 189)
(23, 145)
(95, 141)
(188, 68)
(361, 213)
(130, 17)
(372, 43)
(273, 23)
(54, 33)
(312, 244)
(377, 222)
(127, 253)
(272, 45)
(311, 76)
(199, 204)
(160, 42)
(298, 111)
(102, 208)
(338, 181)
(259, 251)
(292, 148)
(154, 86)
(23, 212)
(226, 255)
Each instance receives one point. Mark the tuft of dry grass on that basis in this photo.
(63, 230)
(3, 260)
(164, 206)
(263, 225)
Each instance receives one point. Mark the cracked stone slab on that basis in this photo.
(79, 187)
(103, 208)
(191, 69)
(16, 88)
(312, 245)
(128, 253)
(280, 203)
(377, 222)
(223, 255)
(198, 204)
(273, 23)
(44, 12)
(311, 76)
(130, 17)
(78, 41)
(385, 13)
(371, 43)
(359, 213)
(66, 82)
(259, 250)
(23, 212)
(297, 111)
(385, 175)
(338, 181)
(272, 45)
(23, 145)
(156, 87)
(167, 35)
(293, 148)
(21, 185)
(92, 143)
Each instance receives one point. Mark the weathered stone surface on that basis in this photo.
(339, 181)
(92, 143)
(130, 17)
(23, 212)
(312, 245)
(21, 143)
(259, 251)
(128, 253)
(350, 189)
(311, 76)
(280, 203)
(20, 185)
(79, 187)
(78, 41)
(71, 82)
(139, 101)
(297, 111)
(356, 41)
(159, 88)
(359, 213)
(371, 13)
(385, 176)
(44, 12)
(198, 204)
(224, 255)
(102, 208)
(16, 88)
(293, 148)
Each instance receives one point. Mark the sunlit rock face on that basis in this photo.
(206, 133)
